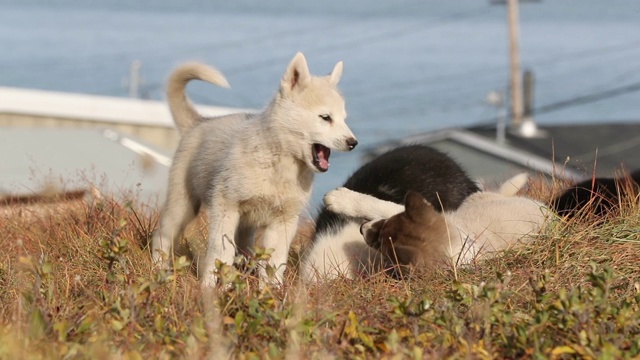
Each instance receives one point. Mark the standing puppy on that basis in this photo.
(252, 171)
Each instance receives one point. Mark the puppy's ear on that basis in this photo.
(336, 74)
(417, 208)
(297, 74)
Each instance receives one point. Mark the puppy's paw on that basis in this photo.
(343, 201)
(161, 261)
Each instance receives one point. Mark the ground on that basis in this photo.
(76, 281)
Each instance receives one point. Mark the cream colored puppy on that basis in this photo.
(252, 171)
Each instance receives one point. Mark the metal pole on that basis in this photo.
(528, 94)
(514, 63)
(134, 79)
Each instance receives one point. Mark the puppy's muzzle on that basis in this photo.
(351, 143)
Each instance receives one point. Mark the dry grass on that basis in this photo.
(76, 282)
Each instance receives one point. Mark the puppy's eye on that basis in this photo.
(326, 117)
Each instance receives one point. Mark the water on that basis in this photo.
(410, 65)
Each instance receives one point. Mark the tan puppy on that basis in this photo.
(418, 235)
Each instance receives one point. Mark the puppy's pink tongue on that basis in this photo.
(323, 157)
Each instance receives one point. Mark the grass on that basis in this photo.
(76, 282)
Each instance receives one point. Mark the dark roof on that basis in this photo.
(484, 159)
(561, 151)
(607, 147)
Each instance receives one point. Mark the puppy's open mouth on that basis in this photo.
(321, 155)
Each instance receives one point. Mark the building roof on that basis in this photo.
(92, 107)
(600, 148)
(562, 151)
(482, 158)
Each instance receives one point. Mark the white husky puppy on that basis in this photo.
(416, 234)
(252, 171)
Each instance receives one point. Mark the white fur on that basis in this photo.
(485, 222)
(343, 254)
(253, 171)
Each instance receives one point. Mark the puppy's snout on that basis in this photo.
(366, 226)
(351, 143)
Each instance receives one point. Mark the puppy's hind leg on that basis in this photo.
(221, 245)
(179, 210)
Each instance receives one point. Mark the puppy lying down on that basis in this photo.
(416, 234)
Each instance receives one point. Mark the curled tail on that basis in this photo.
(513, 185)
(184, 113)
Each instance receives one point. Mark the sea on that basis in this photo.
(410, 66)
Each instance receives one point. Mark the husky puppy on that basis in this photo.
(338, 247)
(597, 196)
(420, 236)
(252, 171)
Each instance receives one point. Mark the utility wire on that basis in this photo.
(492, 71)
(109, 58)
(351, 43)
(555, 106)
(585, 99)
(240, 43)
(92, 61)
(362, 41)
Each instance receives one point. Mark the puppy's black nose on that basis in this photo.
(351, 143)
(361, 229)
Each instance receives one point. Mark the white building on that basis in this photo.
(51, 141)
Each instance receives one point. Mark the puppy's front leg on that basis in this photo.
(359, 205)
(224, 220)
(278, 236)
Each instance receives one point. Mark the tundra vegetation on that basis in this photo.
(76, 281)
